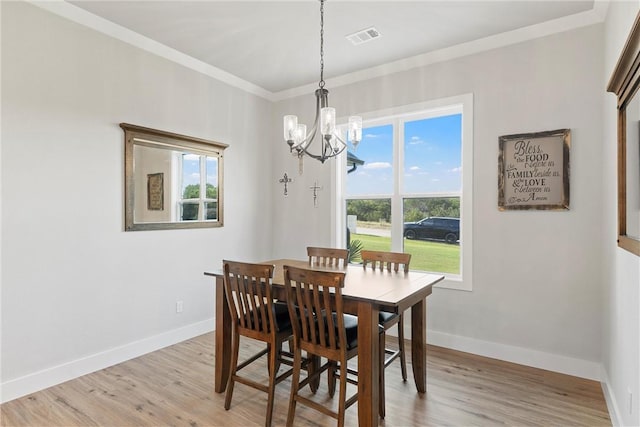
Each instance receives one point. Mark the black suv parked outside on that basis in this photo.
(440, 228)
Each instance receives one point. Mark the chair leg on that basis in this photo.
(314, 366)
(235, 345)
(343, 393)
(381, 394)
(403, 359)
(295, 384)
(273, 373)
(331, 378)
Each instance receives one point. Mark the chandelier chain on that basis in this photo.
(321, 83)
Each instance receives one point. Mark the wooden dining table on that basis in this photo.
(366, 292)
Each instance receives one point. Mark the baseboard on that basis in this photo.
(612, 406)
(520, 355)
(36, 381)
(31, 383)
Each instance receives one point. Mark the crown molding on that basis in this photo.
(82, 17)
(69, 11)
(567, 23)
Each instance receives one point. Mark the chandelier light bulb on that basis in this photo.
(355, 130)
(300, 134)
(328, 120)
(290, 127)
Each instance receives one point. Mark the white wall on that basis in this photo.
(78, 293)
(536, 295)
(621, 301)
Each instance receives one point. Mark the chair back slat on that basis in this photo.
(390, 261)
(314, 296)
(328, 257)
(248, 291)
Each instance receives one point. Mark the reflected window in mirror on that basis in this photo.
(199, 188)
(171, 181)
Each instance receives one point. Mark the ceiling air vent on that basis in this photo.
(363, 36)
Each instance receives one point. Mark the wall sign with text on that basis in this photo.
(533, 170)
(155, 191)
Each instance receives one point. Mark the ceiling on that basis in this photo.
(275, 45)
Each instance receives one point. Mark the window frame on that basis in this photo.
(201, 200)
(445, 106)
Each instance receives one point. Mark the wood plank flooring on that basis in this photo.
(174, 387)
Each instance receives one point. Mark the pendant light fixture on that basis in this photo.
(331, 143)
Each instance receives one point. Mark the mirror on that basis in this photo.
(632, 167)
(171, 181)
(625, 82)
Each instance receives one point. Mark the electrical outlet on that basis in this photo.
(179, 306)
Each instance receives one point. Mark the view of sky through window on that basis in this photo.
(191, 170)
(432, 155)
(432, 158)
(376, 175)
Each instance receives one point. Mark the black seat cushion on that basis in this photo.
(281, 314)
(385, 316)
(350, 323)
(351, 328)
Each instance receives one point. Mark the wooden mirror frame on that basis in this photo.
(138, 136)
(624, 82)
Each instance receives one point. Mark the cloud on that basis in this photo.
(192, 157)
(377, 165)
(435, 180)
(415, 140)
(372, 135)
(455, 170)
(414, 168)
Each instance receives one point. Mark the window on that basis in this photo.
(199, 195)
(408, 191)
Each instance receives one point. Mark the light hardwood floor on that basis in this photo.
(174, 386)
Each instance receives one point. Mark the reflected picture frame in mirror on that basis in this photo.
(624, 82)
(172, 181)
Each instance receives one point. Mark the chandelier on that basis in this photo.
(295, 134)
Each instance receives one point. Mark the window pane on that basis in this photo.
(190, 176)
(369, 222)
(432, 233)
(211, 210)
(375, 176)
(212, 178)
(189, 211)
(432, 155)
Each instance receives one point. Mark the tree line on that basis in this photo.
(379, 210)
(192, 191)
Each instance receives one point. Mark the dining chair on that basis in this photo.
(323, 330)
(254, 315)
(396, 262)
(328, 257)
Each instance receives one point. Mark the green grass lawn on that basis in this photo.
(425, 255)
